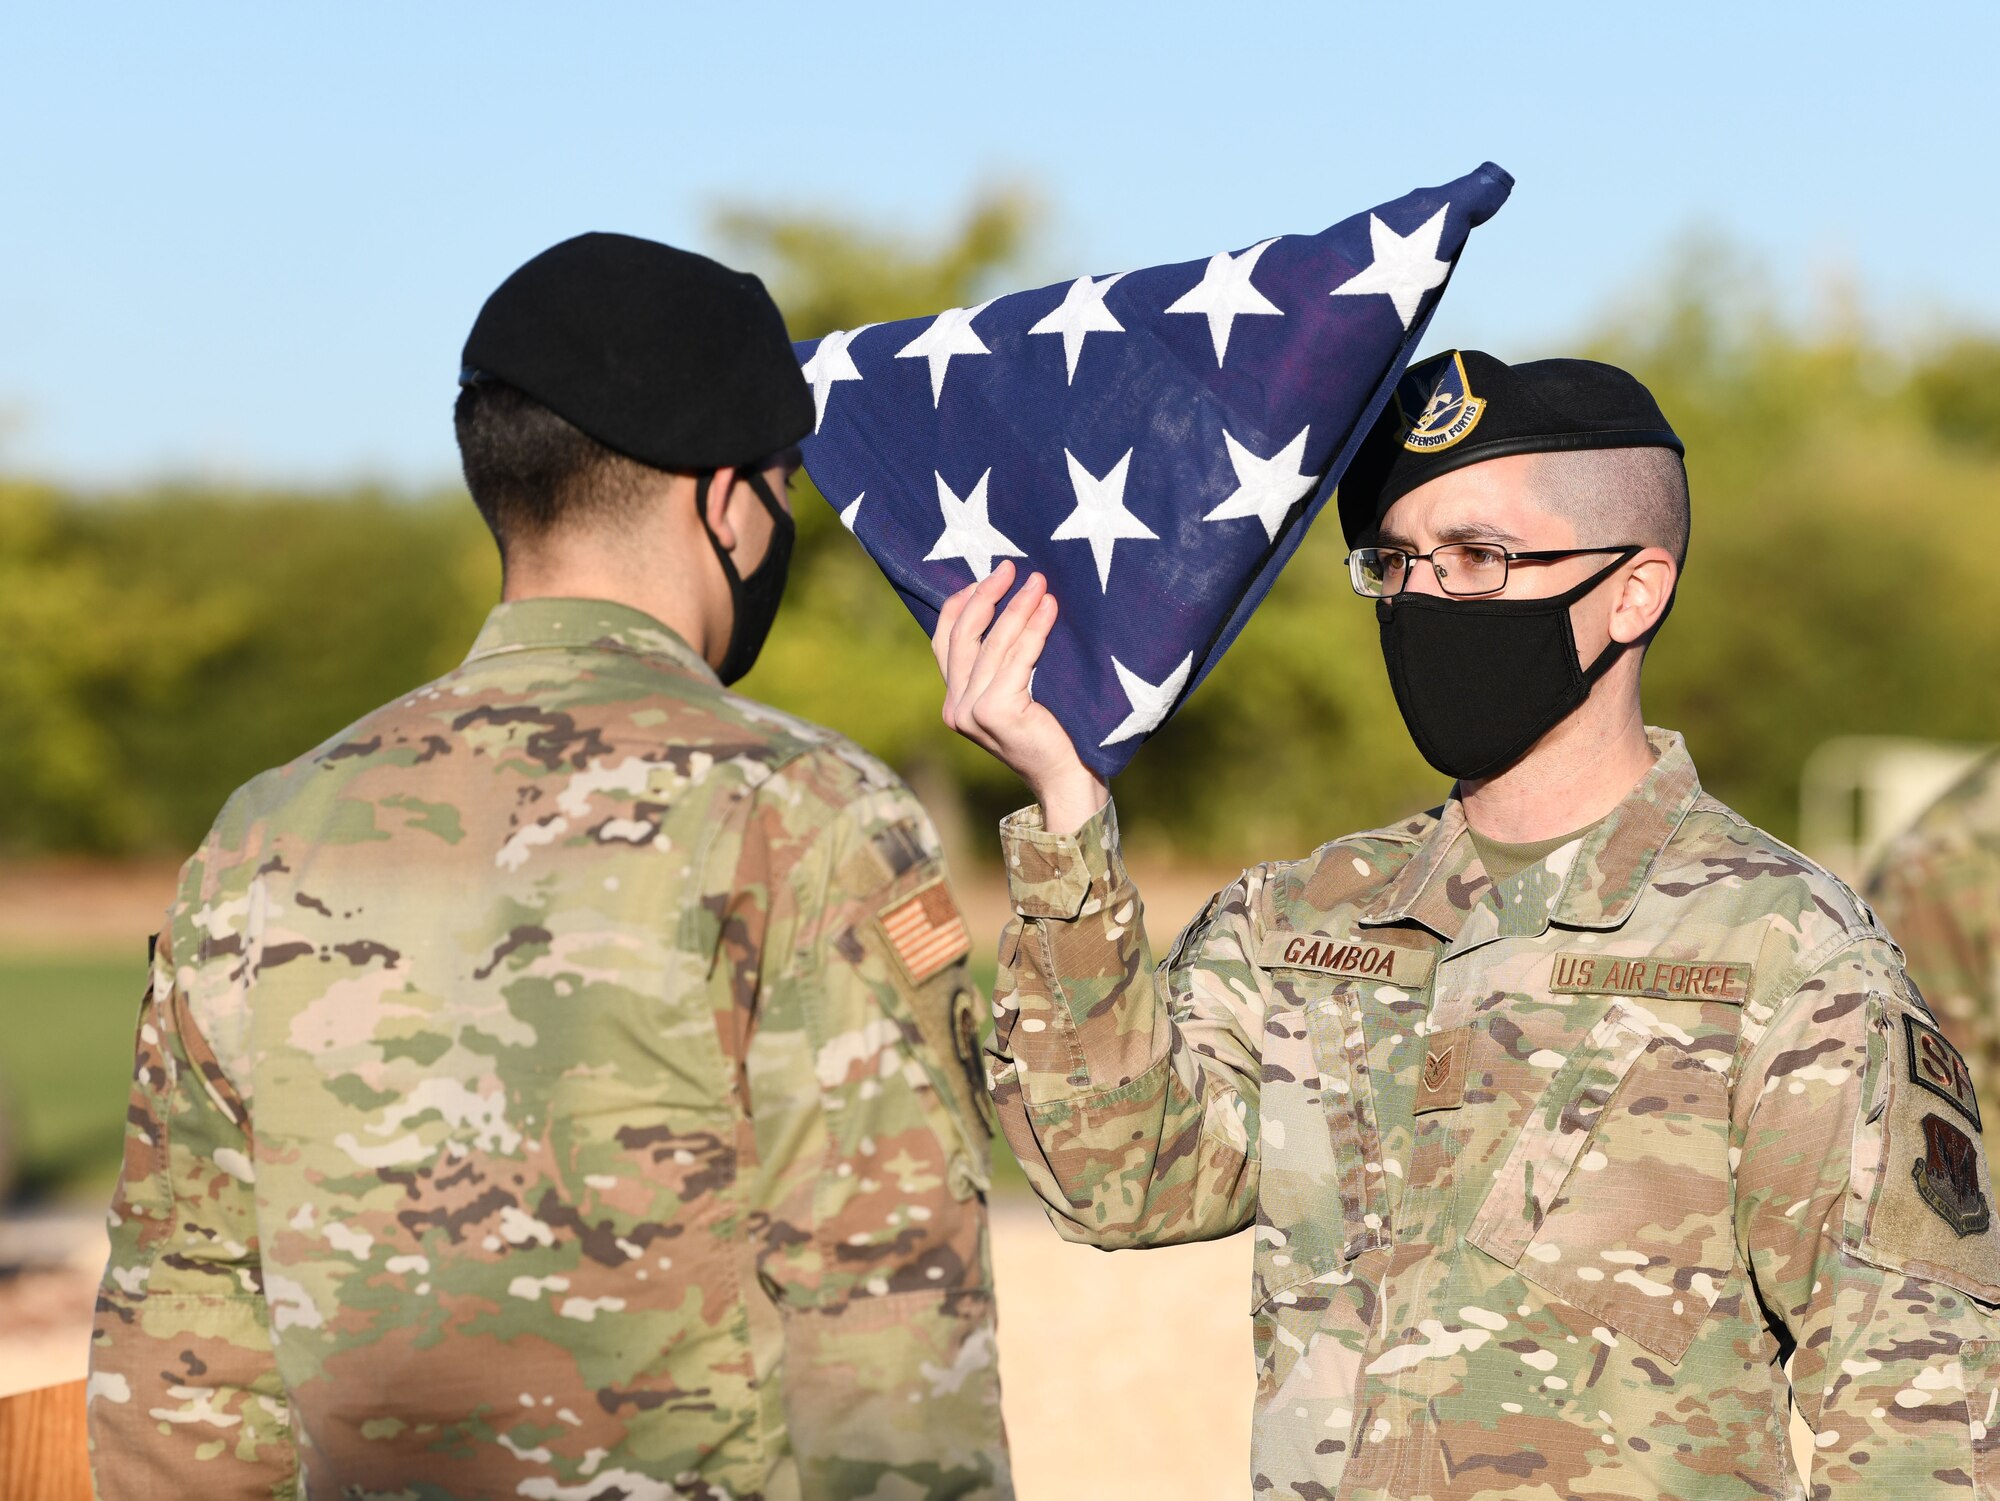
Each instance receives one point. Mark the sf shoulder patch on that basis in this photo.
(925, 930)
(1939, 1067)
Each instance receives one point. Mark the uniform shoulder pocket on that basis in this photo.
(1922, 1188)
(917, 927)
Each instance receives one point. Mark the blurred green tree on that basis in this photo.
(1958, 388)
(830, 271)
(164, 646)
(1839, 576)
(85, 651)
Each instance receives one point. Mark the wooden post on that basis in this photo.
(43, 1455)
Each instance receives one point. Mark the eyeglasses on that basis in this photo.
(1463, 569)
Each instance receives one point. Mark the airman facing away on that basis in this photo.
(556, 1084)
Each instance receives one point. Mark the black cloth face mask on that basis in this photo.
(755, 599)
(1479, 681)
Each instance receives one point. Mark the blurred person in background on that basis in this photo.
(1937, 888)
(1566, 1113)
(562, 1082)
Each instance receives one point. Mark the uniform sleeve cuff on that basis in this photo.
(1061, 875)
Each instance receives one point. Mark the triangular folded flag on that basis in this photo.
(1155, 442)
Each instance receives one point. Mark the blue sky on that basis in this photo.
(248, 241)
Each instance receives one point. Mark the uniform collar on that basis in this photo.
(1593, 883)
(600, 624)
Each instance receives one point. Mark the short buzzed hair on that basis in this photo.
(531, 473)
(1615, 496)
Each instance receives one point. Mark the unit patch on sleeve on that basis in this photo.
(1948, 1177)
(1359, 959)
(1938, 1067)
(1646, 977)
(925, 931)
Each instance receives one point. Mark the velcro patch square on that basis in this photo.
(1939, 1067)
(925, 931)
(1441, 1083)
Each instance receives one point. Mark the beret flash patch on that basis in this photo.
(1440, 396)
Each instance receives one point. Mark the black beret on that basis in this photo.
(661, 354)
(1463, 407)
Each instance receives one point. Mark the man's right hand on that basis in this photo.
(988, 665)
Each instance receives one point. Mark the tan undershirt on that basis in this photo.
(1505, 861)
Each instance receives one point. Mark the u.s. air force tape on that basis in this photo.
(1649, 977)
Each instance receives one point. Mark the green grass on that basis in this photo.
(66, 1034)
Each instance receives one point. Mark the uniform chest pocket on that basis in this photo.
(1339, 1047)
(1322, 1199)
(1615, 1196)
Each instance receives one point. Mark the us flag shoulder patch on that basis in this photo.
(925, 930)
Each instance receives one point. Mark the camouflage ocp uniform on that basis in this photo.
(559, 1085)
(1937, 889)
(1546, 1184)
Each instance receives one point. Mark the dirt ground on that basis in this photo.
(1125, 1375)
(49, 1265)
(69, 906)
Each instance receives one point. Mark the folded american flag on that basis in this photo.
(1155, 442)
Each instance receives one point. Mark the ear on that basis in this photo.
(715, 507)
(1647, 585)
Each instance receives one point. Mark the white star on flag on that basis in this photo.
(1224, 294)
(949, 333)
(1082, 311)
(1150, 704)
(1100, 517)
(1265, 488)
(831, 362)
(852, 513)
(1405, 266)
(968, 533)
